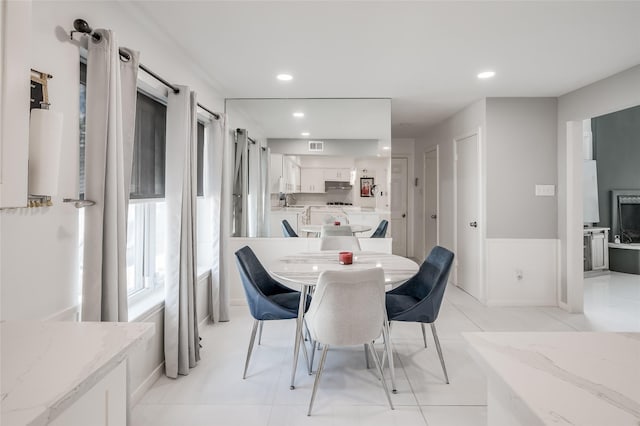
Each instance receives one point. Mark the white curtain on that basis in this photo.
(213, 171)
(110, 122)
(181, 339)
(254, 193)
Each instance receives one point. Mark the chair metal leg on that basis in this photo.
(314, 347)
(296, 346)
(384, 382)
(317, 380)
(260, 333)
(253, 338)
(435, 338)
(424, 334)
(307, 359)
(389, 352)
(366, 356)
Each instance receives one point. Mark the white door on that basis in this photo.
(398, 224)
(430, 200)
(468, 216)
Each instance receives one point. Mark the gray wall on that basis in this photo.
(521, 152)
(616, 148)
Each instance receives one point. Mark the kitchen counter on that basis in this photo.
(577, 378)
(47, 366)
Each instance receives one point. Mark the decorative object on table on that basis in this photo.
(348, 309)
(340, 242)
(287, 230)
(336, 223)
(420, 297)
(267, 298)
(345, 257)
(381, 230)
(366, 187)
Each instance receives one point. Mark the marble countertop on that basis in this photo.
(633, 246)
(570, 378)
(46, 366)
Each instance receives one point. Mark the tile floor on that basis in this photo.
(349, 394)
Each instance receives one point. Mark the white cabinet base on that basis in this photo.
(105, 404)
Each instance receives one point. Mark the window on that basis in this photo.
(146, 218)
(147, 176)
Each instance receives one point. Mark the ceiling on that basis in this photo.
(422, 55)
(323, 118)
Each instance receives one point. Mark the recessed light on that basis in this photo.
(386, 148)
(486, 74)
(305, 133)
(284, 77)
(298, 114)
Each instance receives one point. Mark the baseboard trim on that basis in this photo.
(519, 302)
(71, 313)
(144, 387)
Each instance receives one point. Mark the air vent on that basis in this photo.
(316, 146)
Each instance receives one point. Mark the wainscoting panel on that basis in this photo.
(522, 272)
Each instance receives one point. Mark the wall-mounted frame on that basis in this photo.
(39, 93)
(366, 187)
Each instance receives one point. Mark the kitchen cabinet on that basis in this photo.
(104, 404)
(342, 175)
(312, 180)
(290, 175)
(275, 174)
(596, 250)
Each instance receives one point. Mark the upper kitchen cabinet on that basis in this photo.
(15, 49)
(342, 175)
(275, 174)
(312, 180)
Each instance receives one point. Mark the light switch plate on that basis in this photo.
(545, 190)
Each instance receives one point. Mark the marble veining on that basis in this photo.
(567, 378)
(46, 366)
(304, 268)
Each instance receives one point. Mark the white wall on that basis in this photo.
(443, 134)
(611, 94)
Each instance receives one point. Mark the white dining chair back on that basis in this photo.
(348, 308)
(335, 231)
(350, 243)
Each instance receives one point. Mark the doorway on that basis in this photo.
(431, 206)
(468, 190)
(399, 190)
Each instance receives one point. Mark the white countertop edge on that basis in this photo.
(43, 414)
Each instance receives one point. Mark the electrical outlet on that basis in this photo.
(545, 190)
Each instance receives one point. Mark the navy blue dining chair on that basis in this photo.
(381, 230)
(287, 230)
(419, 298)
(268, 299)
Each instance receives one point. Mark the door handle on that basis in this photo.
(473, 224)
(433, 216)
(404, 215)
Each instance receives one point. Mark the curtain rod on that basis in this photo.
(81, 26)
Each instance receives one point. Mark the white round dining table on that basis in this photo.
(303, 270)
(316, 229)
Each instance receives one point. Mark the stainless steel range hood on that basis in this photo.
(334, 184)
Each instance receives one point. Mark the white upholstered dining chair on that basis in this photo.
(348, 308)
(335, 231)
(350, 243)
